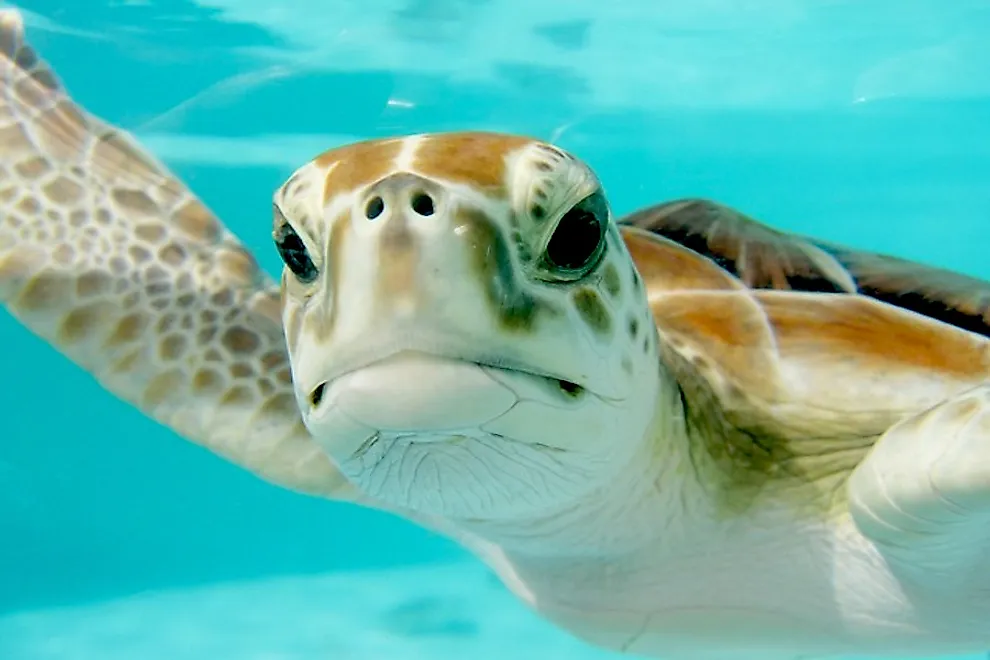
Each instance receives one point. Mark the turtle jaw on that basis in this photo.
(409, 393)
(421, 396)
(456, 438)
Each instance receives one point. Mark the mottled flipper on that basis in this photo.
(108, 257)
(923, 494)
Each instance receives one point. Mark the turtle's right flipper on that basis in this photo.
(112, 260)
(923, 494)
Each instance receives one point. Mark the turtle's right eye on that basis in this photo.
(578, 241)
(293, 252)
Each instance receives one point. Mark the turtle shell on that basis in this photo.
(764, 258)
(792, 356)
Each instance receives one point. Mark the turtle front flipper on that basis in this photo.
(108, 257)
(923, 494)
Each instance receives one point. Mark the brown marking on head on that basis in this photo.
(475, 159)
(397, 268)
(357, 165)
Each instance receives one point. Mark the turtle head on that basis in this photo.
(467, 333)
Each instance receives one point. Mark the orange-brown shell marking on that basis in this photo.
(793, 355)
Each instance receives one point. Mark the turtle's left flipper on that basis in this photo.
(923, 494)
(117, 264)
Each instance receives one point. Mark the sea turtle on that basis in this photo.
(679, 434)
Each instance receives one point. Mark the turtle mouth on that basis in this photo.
(569, 388)
(565, 386)
(419, 395)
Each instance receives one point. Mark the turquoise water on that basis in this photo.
(866, 123)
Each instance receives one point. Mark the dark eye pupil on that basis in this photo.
(293, 252)
(575, 241)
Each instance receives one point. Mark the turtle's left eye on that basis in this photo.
(293, 252)
(579, 238)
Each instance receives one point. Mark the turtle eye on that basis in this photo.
(293, 252)
(579, 238)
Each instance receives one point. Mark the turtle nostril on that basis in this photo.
(422, 204)
(374, 208)
(317, 395)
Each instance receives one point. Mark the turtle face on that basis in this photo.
(465, 326)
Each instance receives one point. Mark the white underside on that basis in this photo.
(764, 589)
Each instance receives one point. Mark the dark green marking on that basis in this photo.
(591, 308)
(611, 280)
(633, 327)
(515, 308)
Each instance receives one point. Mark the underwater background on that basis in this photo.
(865, 123)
